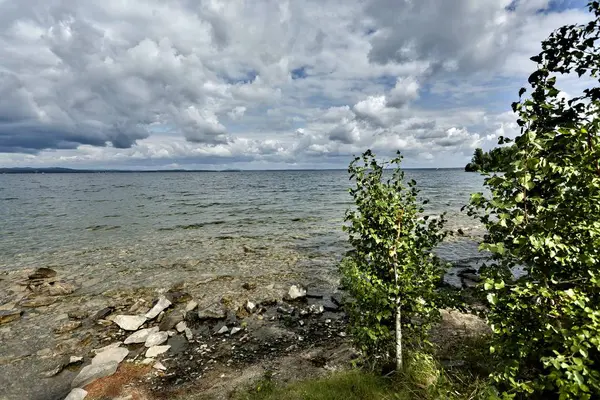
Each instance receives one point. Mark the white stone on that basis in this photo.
(224, 329)
(116, 354)
(191, 306)
(110, 346)
(188, 334)
(159, 366)
(162, 304)
(171, 333)
(148, 361)
(157, 350)
(181, 326)
(90, 373)
(235, 330)
(250, 306)
(75, 359)
(141, 335)
(129, 322)
(296, 292)
(76, 394)
(156, 338)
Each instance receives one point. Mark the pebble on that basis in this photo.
(162, 304)
(157, 350)
(156, 338)
(141, 335)
(129, 322)
(224, 329)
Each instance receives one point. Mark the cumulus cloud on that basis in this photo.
(238, 81)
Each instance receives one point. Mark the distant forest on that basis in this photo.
(494, 160)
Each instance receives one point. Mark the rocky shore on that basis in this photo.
(161, 342)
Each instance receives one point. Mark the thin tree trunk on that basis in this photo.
(398, 339)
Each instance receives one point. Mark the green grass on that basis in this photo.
(422, 379)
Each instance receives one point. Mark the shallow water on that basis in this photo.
(134, 228)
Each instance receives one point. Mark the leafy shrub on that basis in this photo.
(391, 272)
(544, 215)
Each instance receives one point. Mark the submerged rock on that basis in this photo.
(78, 314)
(67, 327)
(37, 302)
(191, 306)
(162, 304)
(102, 314)
(213, 312)
(170, 320)
(296, 292)
(9, 316)
(129, 322)
(178, 297)
(43, 273)
(157, 350)
(76, 394)
(140, 336)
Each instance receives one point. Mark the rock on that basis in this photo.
(148, 361)
(248, 249)
(9, 316)
(162, 304)
(188, 334)
(129, 322)
(76, 394)
(37, 302)
(57, 288)
(286, 309)
(250, 307)
(138, 306)
(330, 306)
(116, 354)
(102, 314)
(156, 339)
(170, 320)
(249, 286)
(141, 335)
(54, 372)
(296, 292)
(235, 330)
(159, 366)
(313, 294)
(110, 346)
(213, 312)
(90, 373)
(316, 309)
(224, 329)
(78, 314)
(157, 350)
(180, 327)
(171, 333)
(67, 327)
(338, 299)
(43, 273)
(191, 306)
(75, 360)
(178, 297)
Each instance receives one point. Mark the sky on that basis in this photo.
(264, 84)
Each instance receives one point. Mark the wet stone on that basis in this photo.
(170, 320)
(296, 292)
(67, 327)
(162, 304)
(178, 297)
(102, 314)
(338, 299)
(314, 294)
(249, 286)
(43, 273)
(78, 314)
(331, 306)
(191, 306)
(37, 302)
(90, 373)
(213, 312)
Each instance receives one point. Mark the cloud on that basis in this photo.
(273, 82)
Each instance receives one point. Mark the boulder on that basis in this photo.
(296, 292)
(76, 394)
(140, 336)
(170, 320)
(157, 350)
(43, 273)
(162, 304)
(156, 338)
(9, 316)
(213, 312)
(90, 373)
(129, 322)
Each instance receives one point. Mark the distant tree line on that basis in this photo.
(495, 160)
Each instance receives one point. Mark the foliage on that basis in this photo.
(392, 264)
(495, 160)
(544, 215)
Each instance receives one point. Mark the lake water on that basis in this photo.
(138, 228)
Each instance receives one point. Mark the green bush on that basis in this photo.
(544, 215)
(391, 271)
